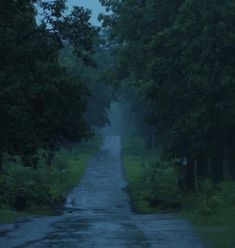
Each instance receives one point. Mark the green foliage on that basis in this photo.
(207, 198)
(133, 160)
(210, 201)
(211, 208)
(41, 104)
(212, 211)
(27, 189)
(8, 216)
(177, 60)
(152, 184)
(96, 80)
(26, 185)
(161, 184)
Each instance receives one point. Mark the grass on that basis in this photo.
(217, 236)
(76, 160)
(212, 211)
(135, 159)
(215, 219)
(48, 185)
(8, 216)
(216, 230)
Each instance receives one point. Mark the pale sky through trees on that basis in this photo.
(93, 5)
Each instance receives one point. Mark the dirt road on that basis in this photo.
(98, 215)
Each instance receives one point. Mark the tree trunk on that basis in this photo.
(232, 165)
(148, 142)
(217, 170)
(182, 177)
(30, 161)
(1, 162)
(202, 166)
(190, 174)
(154, 142)
(35, 161)
(50, 157)
(187, 175)
(231, 155)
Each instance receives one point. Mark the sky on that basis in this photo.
(93, 5)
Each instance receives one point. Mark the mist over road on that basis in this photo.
(98, 214)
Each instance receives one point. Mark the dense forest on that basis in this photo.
(53, 97)
(43, 99)
(168, 66)
(176, 69)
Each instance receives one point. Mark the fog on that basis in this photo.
(122, 120)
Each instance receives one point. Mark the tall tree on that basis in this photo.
(182, 53)
(41, 104)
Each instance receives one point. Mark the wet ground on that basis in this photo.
(97, 215)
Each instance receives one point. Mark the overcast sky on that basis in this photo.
(93, 5)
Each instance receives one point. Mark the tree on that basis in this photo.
(193, 70)
(41, 105)
(182, 53)
(97, 81)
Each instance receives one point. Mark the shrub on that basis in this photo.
(211, 200)
(161, 182)
(25, 188)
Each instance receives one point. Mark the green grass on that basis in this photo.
(52, 184)
(212, 211)
(217, 226)
(135, 159)
(216, 230)
(8, 216)
(76, 160)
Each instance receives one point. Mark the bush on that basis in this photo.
(41, 189)
(161, 182)
(212, 210)
(25, 188)
(211, 199)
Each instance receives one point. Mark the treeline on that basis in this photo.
(42, 104)
(179, 56)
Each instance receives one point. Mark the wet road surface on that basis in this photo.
(97, 215)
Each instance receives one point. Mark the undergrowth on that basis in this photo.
(212, 211)
(153, 188)
(26, 191)
(152, 183)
